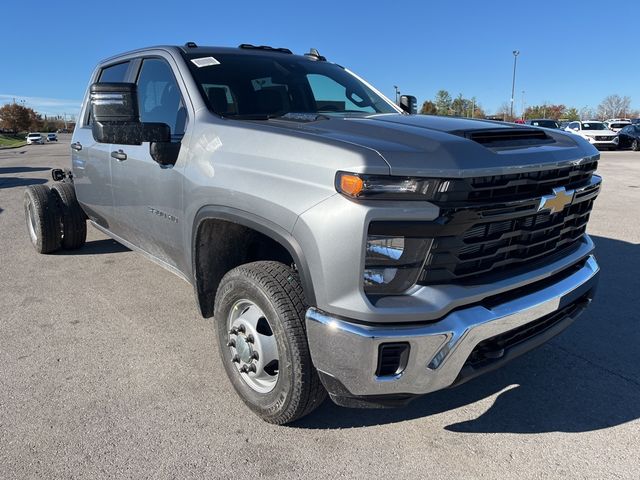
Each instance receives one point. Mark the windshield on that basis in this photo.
(594, 126)
(618, 125)
(34, 134)
(264, 86)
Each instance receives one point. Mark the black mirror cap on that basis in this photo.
(409, 104)
(130, 133)
(165, 153)
(114, 102)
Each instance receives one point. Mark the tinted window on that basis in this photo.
(265, 85)
(114, 73)
(544, 123)
(159, 97)
(574, 125)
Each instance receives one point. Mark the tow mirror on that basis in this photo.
(114, 110)
(409, 104)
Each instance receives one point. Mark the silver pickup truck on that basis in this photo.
(342, 244)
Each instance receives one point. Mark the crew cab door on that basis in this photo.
(147, 196)
(90, 159)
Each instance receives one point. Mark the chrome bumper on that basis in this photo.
(348, 352)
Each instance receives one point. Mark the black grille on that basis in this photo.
(494, 348)
(474, 242)
(515, 186)
(604, 138)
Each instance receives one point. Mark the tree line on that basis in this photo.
(16, 118)
(612, 106)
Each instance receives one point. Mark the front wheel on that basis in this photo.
(259, 317)
(635, 145)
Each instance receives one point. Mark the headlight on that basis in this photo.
(386, 187)
(393, 264)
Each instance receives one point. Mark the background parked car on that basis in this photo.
(52, 137)
(617, 125)
(34, 138)
(543, 122)
(596, 133)
(629, 137)
(635, 121)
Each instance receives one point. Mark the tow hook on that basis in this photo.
(59, 175)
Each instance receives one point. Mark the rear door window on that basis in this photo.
(114, 73)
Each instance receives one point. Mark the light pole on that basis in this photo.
(522, 116)
(513, 83)
(397, 93)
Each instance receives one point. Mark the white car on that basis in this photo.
(617, 125)
(34, 138)
(596, 133)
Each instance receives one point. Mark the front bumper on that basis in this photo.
(346, 353)
(613, 143)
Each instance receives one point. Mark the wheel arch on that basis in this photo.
(208, 268)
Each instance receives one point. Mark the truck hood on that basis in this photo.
(425, 145)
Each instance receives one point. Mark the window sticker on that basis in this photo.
(205, 62)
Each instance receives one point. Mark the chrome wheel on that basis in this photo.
(254, 351)
(31, 223)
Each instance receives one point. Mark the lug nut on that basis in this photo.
(231, 343)
(244, 369)
(235, 359)
(252, 368)
(250, 338)
(241, 329)
(233, 331)
(255, 355)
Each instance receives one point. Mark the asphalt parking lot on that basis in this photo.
(108, 370)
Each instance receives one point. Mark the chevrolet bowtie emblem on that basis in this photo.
(557, 201)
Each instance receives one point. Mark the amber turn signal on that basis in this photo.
(351, 184)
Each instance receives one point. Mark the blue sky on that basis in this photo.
(572, 52)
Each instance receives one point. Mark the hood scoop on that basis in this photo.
(507, 137)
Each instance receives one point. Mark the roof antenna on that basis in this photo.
(191, 45)
(313, 53)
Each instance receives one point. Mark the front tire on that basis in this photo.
(259, 317)
(635, 145)
(43, 218)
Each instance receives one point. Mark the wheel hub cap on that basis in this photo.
(254, 350)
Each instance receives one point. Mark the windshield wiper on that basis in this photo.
(291, 116)
(251, 116)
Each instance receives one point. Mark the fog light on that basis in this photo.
(393, 264)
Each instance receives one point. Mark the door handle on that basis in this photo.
(119, 155)
(76, 146)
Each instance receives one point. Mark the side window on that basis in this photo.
(159, 97)
(114, 73)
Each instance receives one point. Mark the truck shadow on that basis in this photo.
(586, 379)
(96, 247)
(14, 170)
(11, 182)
